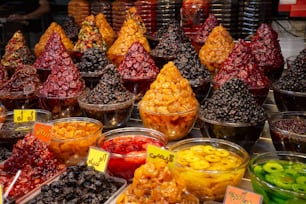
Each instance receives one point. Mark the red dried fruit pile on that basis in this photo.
(36, 162)
(267, 51)
(241, 64)
(51, 53)
(24, 79)
(137, 64)
(65, 79)
(203, 32)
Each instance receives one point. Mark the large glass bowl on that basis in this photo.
(18, 100)
(289, 100)
(127, 148)
(111, 115)
(243, 134)
(175, 125)
(288, 130)
(71, 138)
(279, 177)
(209, 165)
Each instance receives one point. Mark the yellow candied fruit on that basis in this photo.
(105, 29)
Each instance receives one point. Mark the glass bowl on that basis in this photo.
(127, 148)
(18, 100)
(201, 91)
(60, 107)
(115, 59)
(72, 137)
(43, 74)
(209, 165)
(174, 125)
(137, 86)
(288, 131)
(243, 134)
(279, 176)
(160, 61)
(11, 132)
(273, 74)
(110, 115)
(91, 79)
(289, 100)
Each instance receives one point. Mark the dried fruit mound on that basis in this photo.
(93, 61)
(54, 27)
(105, 29)
(188, 62)
(172, 26)
(209, 24)
(241, 64)
(3, 75)
(65, 79)
(294, 79)
(233, 103)
(110, 89)
(132, 30)
(51, 53)
(266, 48)
(169, 43)
(25, 79)
(137, 64)
(89, 36)
(71, 28)
(17, 52)
(216, 49)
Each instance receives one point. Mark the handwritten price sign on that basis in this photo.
(98, 159)
(42, 131)
(155, 153)
(24, 115)
(236, 195)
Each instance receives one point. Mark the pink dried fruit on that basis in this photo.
(208, 25)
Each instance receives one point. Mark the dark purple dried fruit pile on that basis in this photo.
(110, 89)
(188, 62)
(25, 79)
(137, 64)
(79, 184)
(172, 26)
(71, 28)
(168, 46)
(241, 64)
(93, 61)
(3, 75)
(203, 32)
(294, 79)
(51, 53)
(233, 103)
(65, 79)
(266, 49)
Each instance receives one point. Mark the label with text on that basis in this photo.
(236, 195)
(155, 153)
(98, 159)
(24, 115)
(42, 131)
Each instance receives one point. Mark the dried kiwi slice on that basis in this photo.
(299, 187)
(273, 167)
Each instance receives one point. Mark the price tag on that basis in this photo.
(236, 195)
(24, 115)
(1, 194)
(155, 153)
(98, 159)
(42, 131)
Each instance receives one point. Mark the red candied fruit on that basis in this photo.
(208, 25)
(241, 64)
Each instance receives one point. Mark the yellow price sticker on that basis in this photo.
(155, 153)
(1, 194)
(42, 131)
(24, 115)
(98, 159)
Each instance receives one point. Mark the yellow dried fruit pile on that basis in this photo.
(107, 32)
(54, 27)
(89, 36)
(216, 49)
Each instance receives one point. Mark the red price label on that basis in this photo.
(42, 131)
(236, 195)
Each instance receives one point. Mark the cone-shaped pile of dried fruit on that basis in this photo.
(3, 75)
(105, 29)
(202, 34)
(216, 49)
(37, 165)
(138, 69)
(132, 30)
(241, 64)
(188, 62)
(170, 105)
(54, 27)
(155, 183)
(17, 52)
(65, 79)
(267, 51)
(71, 28)
(172, 26)
(89, 36)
